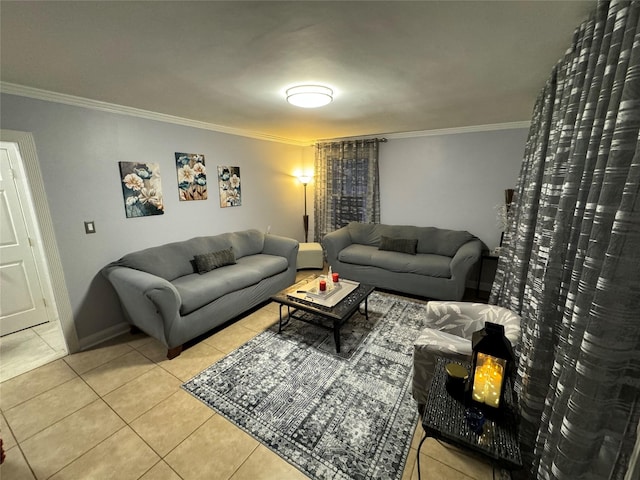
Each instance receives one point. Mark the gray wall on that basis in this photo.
(79, 150)
(451, 181)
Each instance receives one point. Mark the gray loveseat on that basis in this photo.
(178, 291)
(426, 261)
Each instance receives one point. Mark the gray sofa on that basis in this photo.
(178, 291)
(426, 261)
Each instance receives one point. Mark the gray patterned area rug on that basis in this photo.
(347, 416)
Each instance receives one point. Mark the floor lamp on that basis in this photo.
(305, 218)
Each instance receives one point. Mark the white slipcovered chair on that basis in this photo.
(450, 328)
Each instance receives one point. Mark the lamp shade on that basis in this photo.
(491, 363)
(309, 96)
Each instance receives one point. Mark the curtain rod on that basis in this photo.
(381, 140)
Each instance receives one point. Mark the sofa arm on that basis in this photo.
(456, 318)
(430, 344)
(281, 246)
(150, 302)
(464, 318)
(334, 242)
(465, 258)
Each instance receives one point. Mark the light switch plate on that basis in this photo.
(89, 227)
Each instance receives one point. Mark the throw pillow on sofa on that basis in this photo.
(212, 260)
(402, 245)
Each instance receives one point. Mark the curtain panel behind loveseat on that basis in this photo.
(570, 262)
(347, 185)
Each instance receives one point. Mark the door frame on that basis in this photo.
(46, 251)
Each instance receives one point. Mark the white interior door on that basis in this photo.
(22, 303)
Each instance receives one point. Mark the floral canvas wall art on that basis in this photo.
(229, 183)
(141, 189)
(192, 176)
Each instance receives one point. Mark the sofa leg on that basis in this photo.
(174, 352)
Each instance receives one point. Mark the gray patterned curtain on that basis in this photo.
(347, 185)
(570, 263)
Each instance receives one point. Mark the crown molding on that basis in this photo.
(39, 94)
(456, 130)
(441, 131)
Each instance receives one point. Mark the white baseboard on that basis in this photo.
(104, 335)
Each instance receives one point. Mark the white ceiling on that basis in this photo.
(394, 66)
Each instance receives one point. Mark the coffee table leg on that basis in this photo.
(366, 308)
(336, 334)
(281, 323)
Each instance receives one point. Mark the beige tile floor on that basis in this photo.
(117, 411)
(27, 349)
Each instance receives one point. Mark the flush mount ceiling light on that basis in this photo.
(309, 96)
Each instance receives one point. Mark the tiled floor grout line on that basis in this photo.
(246, 459)
(22, 452)
(85, 453)
(40, 393)
(433, 459)
(453, 448)
(45, 340)
(10, 429)
(97, 366)
(57, 421)
(180, 443)
(19, 443)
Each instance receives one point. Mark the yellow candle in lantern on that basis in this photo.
(487, 380)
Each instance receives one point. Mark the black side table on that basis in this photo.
(484, 257)
(444, 419)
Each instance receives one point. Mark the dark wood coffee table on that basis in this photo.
(331, 318)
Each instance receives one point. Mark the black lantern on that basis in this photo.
(491, 363)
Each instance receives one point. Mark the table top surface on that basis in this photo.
(444, 418)
(342, 309)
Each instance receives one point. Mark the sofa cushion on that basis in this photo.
(198, 290)
(420, 264)
(209, 261)
(204, 245)
(364, 233)
(246, 243)
(168, 261)
(402, 245)
(267, 265)
(443, 242)
(403, 231)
